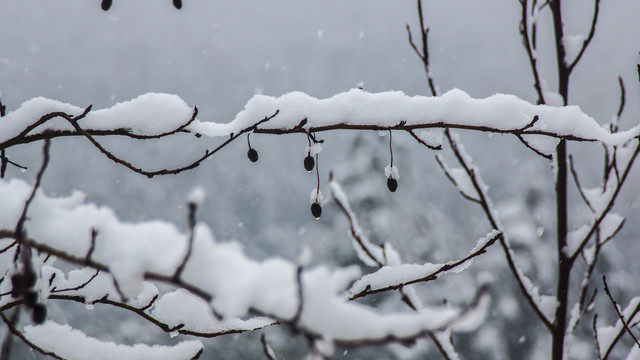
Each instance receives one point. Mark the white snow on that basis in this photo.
(499, 112)
(238, 285)
(389, 275)
(374, 251)
(181, 307)
(431, 137)
(391, 172)
(575, 238)
(313, 149)
(316, 196)
(460, 178)
(197, 196)
(73, 344)
(608, 226)
(546, 303)
(156, 113)
(148, 114)
(606, 334)
(572, 45)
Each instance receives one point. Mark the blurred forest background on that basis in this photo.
(217, 55)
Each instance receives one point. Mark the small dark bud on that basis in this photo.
(39, 314)
(177, 4)
(106, 4)
(392, 184)
(30, 298)
(30, 279)
(316, 210)
(18, 286)
(252, 154)
(309, 163)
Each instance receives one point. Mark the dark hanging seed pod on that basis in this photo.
(39, 314)
(309, 163)
(30, 279)
(17, 285)
(392, 184)
(316, 210)
(252, 154)
(177, 4)
(30, 298)
(106, 4)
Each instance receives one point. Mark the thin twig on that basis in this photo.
(45, 162)
(433, 275)
(266, 349)
(44, 248)
(7, 343)
(449, 176)
(609, 206)
(300, 296)
(529, 45)
(587, 41)
(620, 315)
(192, 224)
(174, 171)
(76, 288)
(622, 102)
(574, 174)
(418, 139)
(594, 326)
(491, 217)
(92, 247)
(29, 343)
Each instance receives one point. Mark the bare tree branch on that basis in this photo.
(578, 186)
(29, 343)
(616, 306)
(151, 174)
(266, 349)
(609, 206)
(76, 288)
(529, 45)
(432, 276)
(587, 41)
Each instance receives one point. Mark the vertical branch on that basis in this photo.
(529, 43)
(424, 54)
(45, 162)
(564, 266)
(3, 155)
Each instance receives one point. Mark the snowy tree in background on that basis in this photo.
(68, 249)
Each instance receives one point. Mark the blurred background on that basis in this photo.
(216, 55)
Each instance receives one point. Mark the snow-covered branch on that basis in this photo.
(226, 283)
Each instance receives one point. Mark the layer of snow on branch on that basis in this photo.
(460, 178)
(431, 137)
(373, 254)
(547, 304)
(74, 345)
(609, 225)
(148, 114)
(181, 307)
(388, 109)
(607, 334)
(389, 276)
(572, 46)
(157, 113)
(238, 286)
